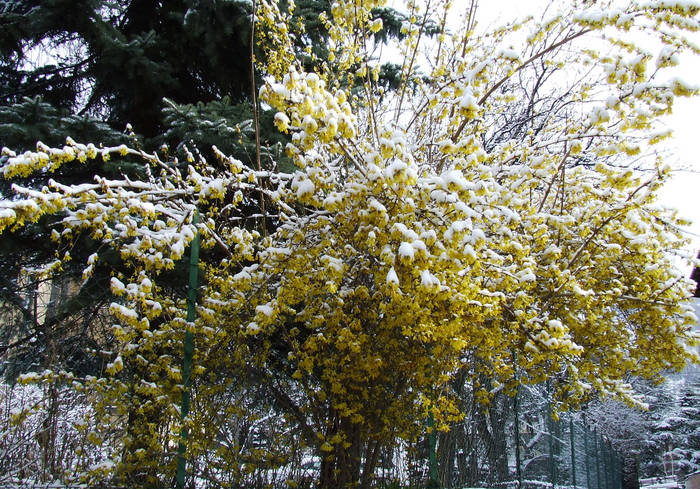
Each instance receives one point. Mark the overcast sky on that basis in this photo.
(682, 152)
(683, 192)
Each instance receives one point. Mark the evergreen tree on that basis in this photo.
(177, 72)
(118, 60)
(672, 443)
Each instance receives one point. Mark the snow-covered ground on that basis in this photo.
(670, 482)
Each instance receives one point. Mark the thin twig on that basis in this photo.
(525, 63)
(255, 113)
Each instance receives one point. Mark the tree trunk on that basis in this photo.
(46, 438)
(446, 457)
(491, 426)
(343, 467)
(371, 458)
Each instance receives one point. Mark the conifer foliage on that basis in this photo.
(423, 234)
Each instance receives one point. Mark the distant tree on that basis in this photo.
(672, 444)
(118, 60)
(660, 440)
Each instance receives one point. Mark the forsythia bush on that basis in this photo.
(482, 218)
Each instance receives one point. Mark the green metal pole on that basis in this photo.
(573, 449)
(189, 349)
(585, 449)
(516, 411)
(613, 476)
(551, 444)
(606, 464)
(432, 445)
(619, 471)
(613, 467)
(516, 408)
(552, 462)
(597, 458)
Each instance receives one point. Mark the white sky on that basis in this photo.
(682, 151)
(683, 191)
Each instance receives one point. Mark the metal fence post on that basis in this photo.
(586, 455)
(189, 349)
(585, 451)
(432, 445)
(606, 468)
(611, 463)
(572, 439)
(550, 448)
(613, 469)
(552, 463)
(596, 454)
(516, 409)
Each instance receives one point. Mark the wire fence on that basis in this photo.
(515, 445)
(573, 456)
